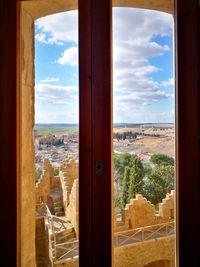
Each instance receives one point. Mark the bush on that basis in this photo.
(162, 159)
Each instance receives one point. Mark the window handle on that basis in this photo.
(99, 167)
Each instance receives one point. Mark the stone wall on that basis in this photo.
(140, 212)
(143, 253)
(71, 211)
(69, 183)
(68, 173)
(166, 208)
(41, 243)
(45, 183)
(27, 182)
(44, 8)
(68, 263)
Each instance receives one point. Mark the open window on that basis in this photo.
(187, 34)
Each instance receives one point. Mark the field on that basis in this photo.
(42, 131)
(153, 145)
(149, 144)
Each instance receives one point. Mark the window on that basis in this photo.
(186, 30)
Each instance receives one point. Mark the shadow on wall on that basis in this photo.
(161, 263)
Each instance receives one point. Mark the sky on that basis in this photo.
(143, 83)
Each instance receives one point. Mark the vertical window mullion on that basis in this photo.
(95, 132)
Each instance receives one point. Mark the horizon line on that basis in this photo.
(74, 123)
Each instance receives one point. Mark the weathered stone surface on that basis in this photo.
(71, 211)
(140, 254)
(140, 212)
(68, 173)
(46, 182)
(166, 208)
(27, 146)
(68, 263)
(42, 8)
(41, 243)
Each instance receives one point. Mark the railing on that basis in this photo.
(43, 210)
(144, 233)
(40, 209)
(70, 249)
(65, 250)
(55, 225)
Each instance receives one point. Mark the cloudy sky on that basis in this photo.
(143, 86)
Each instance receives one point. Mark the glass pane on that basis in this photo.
(143, 141)
(56, 139)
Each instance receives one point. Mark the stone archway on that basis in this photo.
(41, 8)
(31, 10)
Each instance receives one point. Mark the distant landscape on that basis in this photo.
(65, 128)
(60, 129)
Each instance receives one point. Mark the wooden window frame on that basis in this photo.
(95, 205)
(95, 248)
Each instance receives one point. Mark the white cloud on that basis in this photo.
(135, 42)
(136, 100)
(56, 94)
(58, 28)
(69, 57)
(140, 24)
(41, 37)
(134, 35)
(50, 79)
(169, 82)
(57, 117)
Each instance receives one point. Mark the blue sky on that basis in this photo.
(143, 86)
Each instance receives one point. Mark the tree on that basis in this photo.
(38, 173)
(147, 169)
(159, 183)
(136, 178)
(162, 159)
(125, 187)
(120, 162)
(56, 171)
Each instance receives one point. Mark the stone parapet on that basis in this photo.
(166, 208)
(140, 212)
(45, 183)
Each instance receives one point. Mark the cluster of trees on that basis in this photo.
(125, 135)
(149, 134)
(153, 180)
(132, 135)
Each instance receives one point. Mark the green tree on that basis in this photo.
(38, 173)
(162, 159)
(125, 187)
(159, 183)
(147, 169)
(56, 171)
(136, 178)
(120, 162)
